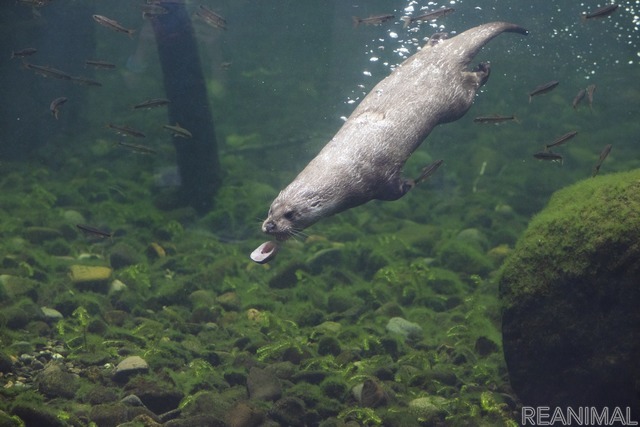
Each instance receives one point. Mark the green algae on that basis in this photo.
(595, 213)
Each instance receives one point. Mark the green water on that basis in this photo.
(279, 80)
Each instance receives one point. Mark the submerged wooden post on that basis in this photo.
(185, 87)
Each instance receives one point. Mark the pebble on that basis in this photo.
(263, 385)
(132, 400)
(430, 409)
(51, 314)
(403, 327)
(129, 366)
(117, 286)
(370, 393)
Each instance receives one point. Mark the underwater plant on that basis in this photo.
(78, 326)
(364, 416)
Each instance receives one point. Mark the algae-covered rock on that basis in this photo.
(54, 381)
(571, 291)
(89, 273)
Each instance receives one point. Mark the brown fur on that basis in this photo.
(364, 160)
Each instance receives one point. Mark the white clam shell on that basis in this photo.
(265, 252)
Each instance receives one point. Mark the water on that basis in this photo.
(279, 82)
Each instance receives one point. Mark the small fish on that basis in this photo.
(211, 18)
(578, 99)
(126, 130)
(178, 130)
(600, 13)
(590, 91)
(548, 155)
(372, 20)
(46, 71)
(544, 88)
(564, 138)
(34, 3)
(603, 155)
(494, 119)
(89, 230)
(437, 38)
(55, 105)
(23, 52)
(429, 170)
(150, 11)
(137, 148)
(104, 65)
(151, 103)
(429, 16)
(85, 81)
(112, 25)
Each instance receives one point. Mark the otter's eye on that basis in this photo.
(288, 215)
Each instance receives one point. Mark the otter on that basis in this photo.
(364, 160)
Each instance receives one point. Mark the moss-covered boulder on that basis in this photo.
(571, 292)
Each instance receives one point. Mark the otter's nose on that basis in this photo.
(268, 227)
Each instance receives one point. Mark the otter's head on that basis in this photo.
(293, 211)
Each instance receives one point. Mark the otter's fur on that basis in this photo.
(364, 160)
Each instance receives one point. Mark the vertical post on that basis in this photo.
(185, 87)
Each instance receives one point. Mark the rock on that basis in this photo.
(430, 409)
(398, 325)
(230, 301)
(371, 394)
(37, 415)
(329, 346)
(6, 363)
(51, 314)
(158, 397)
(89, 273)
(116, 287)
(130, 366)
(15, 317)
(475, 237)
(7, 421)
(155, 251)
(132, 400)
(101, 394)
(499, 253)
(286, 276)
(463, 257)
(73, 217)
(205, 408)
(199, 420)
(244, 415)
(53, 381)
(328, 328)
(484, 346)
(39, 235)
(123, 255)
(263, 385)
(14, 287)
(114, 414)
(202, 298)
(289, 411)
(571, 324)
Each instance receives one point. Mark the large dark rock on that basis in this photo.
(571, 292)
